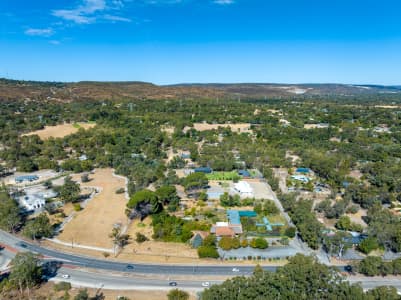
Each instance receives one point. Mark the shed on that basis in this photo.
(244, 189)
(244, 173)
(205, 170)
(197, 238)
(30, 178)
(303, 170)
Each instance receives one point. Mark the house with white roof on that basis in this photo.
(243, 188)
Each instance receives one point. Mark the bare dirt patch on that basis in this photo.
(60, 131)
(169, 130)
(93, 225)
(356, 174)
(357, 218)
(388, 106)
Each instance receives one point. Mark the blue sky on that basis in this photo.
(176, 41)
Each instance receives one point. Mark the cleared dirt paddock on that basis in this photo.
(92, 225)
(153, 250)
(239, 127)
(60, 131)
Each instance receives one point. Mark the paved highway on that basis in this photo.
(114, 282)
(133, 278)
(87, 262)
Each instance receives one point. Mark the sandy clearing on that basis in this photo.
(357, 218)
(314, 126)
(93, 225)
(357, 174)
(60, 131)
(169, 130)
(387, 106)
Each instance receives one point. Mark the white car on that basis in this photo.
(235, 270)
(65, 276)
(206, 284)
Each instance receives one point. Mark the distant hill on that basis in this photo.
(269, 90)
(88, 90)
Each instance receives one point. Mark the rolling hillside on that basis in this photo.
(65, 92)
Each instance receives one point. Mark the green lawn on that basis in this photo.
(233, 175)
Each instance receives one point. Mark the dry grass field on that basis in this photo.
(47, 292)
(92, 225)
(239, 127)
(153, 250)
(60, 131)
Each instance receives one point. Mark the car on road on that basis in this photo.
(235, 270)
(349, 269)
(23, 245)
(172, 283)
(130, 267)
(65, 276)
(206, 284)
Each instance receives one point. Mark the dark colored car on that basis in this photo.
(172, 283)
(349, 269)
(130, 267)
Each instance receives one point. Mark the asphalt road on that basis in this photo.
(113, 282)
(88, 262)
(134, 271)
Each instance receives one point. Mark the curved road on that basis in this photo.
(87, 262)
(107, 280)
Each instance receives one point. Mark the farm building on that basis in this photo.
(205, 170)
(221, 229)
(197, 238)
(29, 178)
(32, 202)
(35, 201)
(244, 189)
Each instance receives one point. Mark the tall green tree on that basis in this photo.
(39, 227)
(25, 271)
(69, 192)
(10, 217)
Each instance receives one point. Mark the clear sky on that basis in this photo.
(176, 41)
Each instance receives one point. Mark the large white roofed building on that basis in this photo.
(244, 189)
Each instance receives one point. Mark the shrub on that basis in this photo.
(177, 294)
(62, 286)
(226, 243)
(207, 252)
(369, 244)
(290, 231)
(236, 243)
(140, 238)
(77, 207)
(259, 243)
(120, 191)
(370, 266)
(244, 243)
